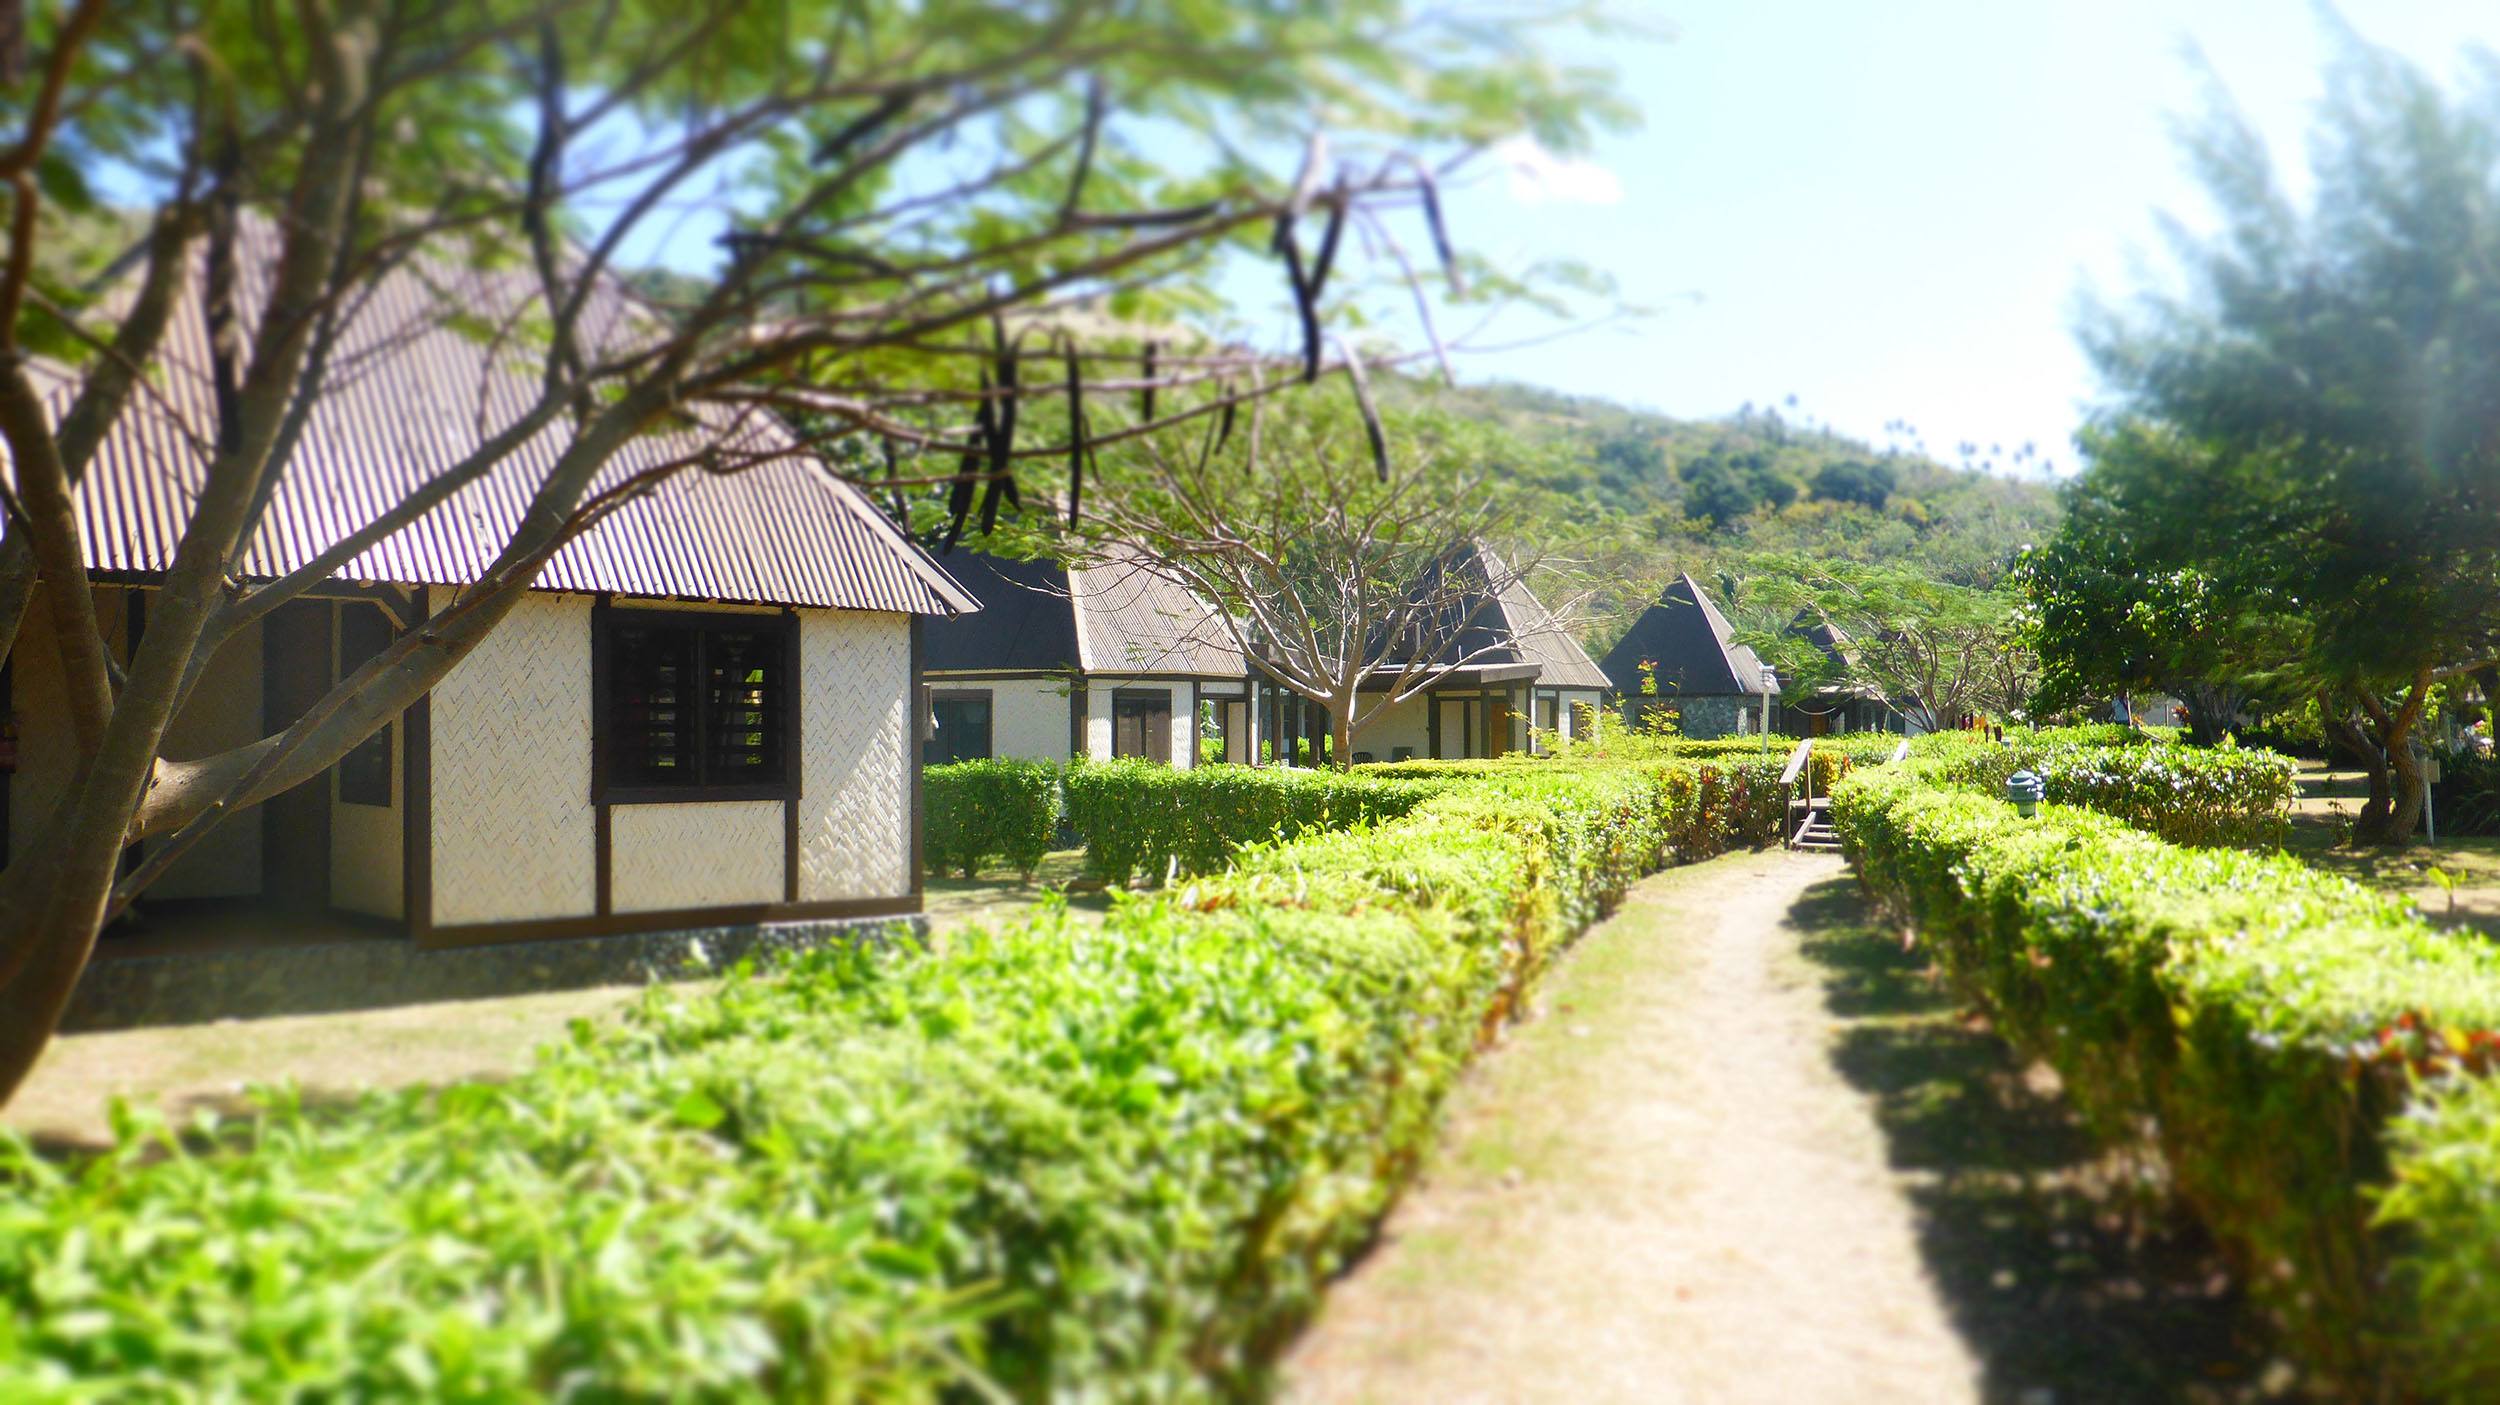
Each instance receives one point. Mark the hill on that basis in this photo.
(1622, 499)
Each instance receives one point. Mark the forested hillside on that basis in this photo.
(1625, 497)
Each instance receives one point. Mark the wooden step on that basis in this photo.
(1816, 834)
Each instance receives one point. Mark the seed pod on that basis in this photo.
(1076, 434)
(1373, 429)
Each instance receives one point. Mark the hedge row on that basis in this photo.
(1062, 1161)
(1715, 805)
(980, 812)
(1139, 818)
(2188, 795)
(2298, 1044)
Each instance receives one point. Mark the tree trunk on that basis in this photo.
(2346, 733)
(2392, 731)
(2211, 710)
(2409, 787)
(1341, 735)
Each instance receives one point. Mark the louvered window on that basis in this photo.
(693, 706)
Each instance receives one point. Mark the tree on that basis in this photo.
(2346, 357)
(1350, 572)
(1866, 483)
(1935, 650)
(910, 194)
(2146, 586)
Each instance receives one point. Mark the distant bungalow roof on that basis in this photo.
(1115, 617)
(1502, 631)
(1688, 643)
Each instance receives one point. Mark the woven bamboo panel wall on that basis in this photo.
(514, 836)
(855, 814)
(664, 857)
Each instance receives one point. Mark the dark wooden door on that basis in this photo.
(1141, 725)
(295, 827)
(1496, 726)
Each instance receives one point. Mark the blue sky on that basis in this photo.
(1888, 210)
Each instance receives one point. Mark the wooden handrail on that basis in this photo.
(1797, 761)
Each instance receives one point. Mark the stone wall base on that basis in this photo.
(194, 988)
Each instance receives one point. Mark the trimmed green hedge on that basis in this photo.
(2188, 795)
(977, 812)
(1138, 818)
(2271, 1024)
(1715, 805)
(1061, 1161)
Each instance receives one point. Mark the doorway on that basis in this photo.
(1141, 724)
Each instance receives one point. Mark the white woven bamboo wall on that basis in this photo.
(855, 810)
(513, 832)
(663, 857)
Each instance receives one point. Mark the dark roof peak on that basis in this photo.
(1688, 646)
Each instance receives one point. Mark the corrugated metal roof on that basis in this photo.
(1115, 617)
(1492, 619)
(423, 372)
(1689, 644)
(1129, 619)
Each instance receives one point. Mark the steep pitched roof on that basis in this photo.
(1688, 641)
(418, 380)
(1497, 620)
(1827, 637)
(1114, 617)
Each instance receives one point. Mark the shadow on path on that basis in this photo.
(2066, 1286)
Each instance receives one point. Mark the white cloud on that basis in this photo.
(1539, 177)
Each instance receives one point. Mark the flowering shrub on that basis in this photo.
(2271, 1025)
(974, 812)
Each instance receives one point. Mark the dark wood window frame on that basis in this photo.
(983, 696)
(704, 625)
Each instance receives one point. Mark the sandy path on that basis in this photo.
(1661, 1191)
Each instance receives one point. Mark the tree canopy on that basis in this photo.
(2328, 379)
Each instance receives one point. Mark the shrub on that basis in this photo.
(2267, 1021)
(1062, 1161)
(1712, 805)
(1139, 818)
(2188, 795)
(2467, 797)
(977, 811)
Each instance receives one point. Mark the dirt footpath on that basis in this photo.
(1662, 1191)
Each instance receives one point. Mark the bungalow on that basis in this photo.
(1508, 670)
(1681, 660)
(700, 717)
(1840, 704)
(1095, 661)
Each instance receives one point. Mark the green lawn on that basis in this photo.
(2329, 800)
